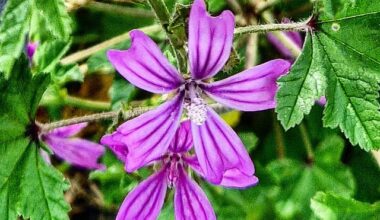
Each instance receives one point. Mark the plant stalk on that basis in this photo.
(126, 114)
(300, 27)
(177, 43)
(306, 142)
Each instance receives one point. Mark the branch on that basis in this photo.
(300, 27)
(126, 115)
(82, 54)
(177, 42)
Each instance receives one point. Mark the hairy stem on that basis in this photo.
(82, 54)
(96, 117)
(283, 38)
(306, 142)
(126, 114)
(177, 42)
(300, 26)
(86, 104)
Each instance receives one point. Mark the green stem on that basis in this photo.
(177, 43)
(306, 142)
(282, 37)
(300, 26)
(279, 137)
(126, 114)
(86, 104)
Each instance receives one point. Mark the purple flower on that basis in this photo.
(76, 151)
(217, 146)
(31, 49)
(190, 202)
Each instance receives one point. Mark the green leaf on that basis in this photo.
(300, 181)
(14, 24)
(334, 207)
(52, 18)
(249, 140)
(28, 186)
(343, 63)
(304, 84)
(48, 55)
(121, 92)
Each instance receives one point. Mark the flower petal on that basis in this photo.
(76, 151)
(190, 202)
(218, 149)
(145, 66)
(251, 90)
(146, 200)
(232, 178)
(68, 131)
(210, 40)
(149, 135)
(182, 141)
(116, 142)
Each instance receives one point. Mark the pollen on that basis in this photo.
(196, 111)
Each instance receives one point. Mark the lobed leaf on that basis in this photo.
(28, 186)
(343, 63)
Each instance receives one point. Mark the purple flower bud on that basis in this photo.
(31, 48)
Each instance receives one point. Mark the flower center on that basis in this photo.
(173, 162)
(195, 106)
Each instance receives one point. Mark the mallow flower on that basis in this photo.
(76, 151)
(31, 48)
(190, 202)
(217, 146)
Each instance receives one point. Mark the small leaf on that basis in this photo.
(48, 55)
(334, 207)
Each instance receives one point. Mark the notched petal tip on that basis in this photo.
(210, 40)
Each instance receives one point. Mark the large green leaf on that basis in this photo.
(341, 59)
(333, 207)
(300, 181)
(14, 24)
(52, 19)
(28, 186)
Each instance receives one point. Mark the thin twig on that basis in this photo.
(283, 38)
(80, 55)
(299, 26)
(177, 43)
(126, 115)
